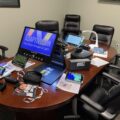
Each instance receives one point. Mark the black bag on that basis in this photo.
(32, 77)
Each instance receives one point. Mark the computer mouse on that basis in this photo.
(85, 47)
(78, 50)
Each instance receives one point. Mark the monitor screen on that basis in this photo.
(38, 41)
(75, 40)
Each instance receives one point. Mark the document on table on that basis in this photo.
(104, 55)
(100, 52)
(9, 68)
(98, 62)
(28, 64)
(68, 86)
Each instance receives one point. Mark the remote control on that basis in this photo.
(11, 79)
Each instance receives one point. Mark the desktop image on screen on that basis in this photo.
(38, 42)
(74, 39)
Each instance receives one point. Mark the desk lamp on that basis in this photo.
(96, 43)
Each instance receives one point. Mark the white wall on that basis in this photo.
(13, 20)
(95, 12)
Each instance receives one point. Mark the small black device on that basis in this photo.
(80, 53)
(78, 64)
(32, 77)
(85, 47)
(11, 80)
(20, 60)
(2, 70)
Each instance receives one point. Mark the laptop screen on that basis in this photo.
(38, 41)
(73, 39)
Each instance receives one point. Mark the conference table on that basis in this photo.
(45, 107)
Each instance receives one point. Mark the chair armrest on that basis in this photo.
(71, 117)
(116, 59)
(114, 66)
(108, 115)
(111, 77)
(3, 48)
(118, 56)
(98, 107)
(91, 103)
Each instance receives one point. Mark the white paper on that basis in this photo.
(105, 55)
(98, 62)
(68, 86)
(9, 68)
(28, 64)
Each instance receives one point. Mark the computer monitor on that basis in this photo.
(74, 39)
(37, 44)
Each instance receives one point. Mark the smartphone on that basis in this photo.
(74, 77)
(2, 70)
(20, 60)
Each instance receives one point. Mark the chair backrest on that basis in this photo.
(113, 102)
(71, 25)
(48, 25)
(105, 34)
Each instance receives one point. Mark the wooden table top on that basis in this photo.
(54, 98)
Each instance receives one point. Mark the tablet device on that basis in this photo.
(74, 39)
(20, 60)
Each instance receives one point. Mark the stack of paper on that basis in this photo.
(100, 52)
(98, 62)
(68, 86)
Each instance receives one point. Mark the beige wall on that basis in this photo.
(13, 20)
(94, 12)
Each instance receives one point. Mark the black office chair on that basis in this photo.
(102, 103)
(71, 25)
(117, 61)
(48, 25)
(3, 50)
(105, 34)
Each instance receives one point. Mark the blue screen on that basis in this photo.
(38, 41)
(76, 40)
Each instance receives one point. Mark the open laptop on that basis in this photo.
(52, 71)
(74, 39)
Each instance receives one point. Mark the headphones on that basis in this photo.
(2, 85)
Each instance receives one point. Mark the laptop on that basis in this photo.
(74, 40)
(52, 71)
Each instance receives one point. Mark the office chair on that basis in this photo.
(105, 34)
(48, 25)
(3, 50)
(101, 103)
(71, 25)
(117, 61)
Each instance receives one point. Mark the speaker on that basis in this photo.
(79, 64)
